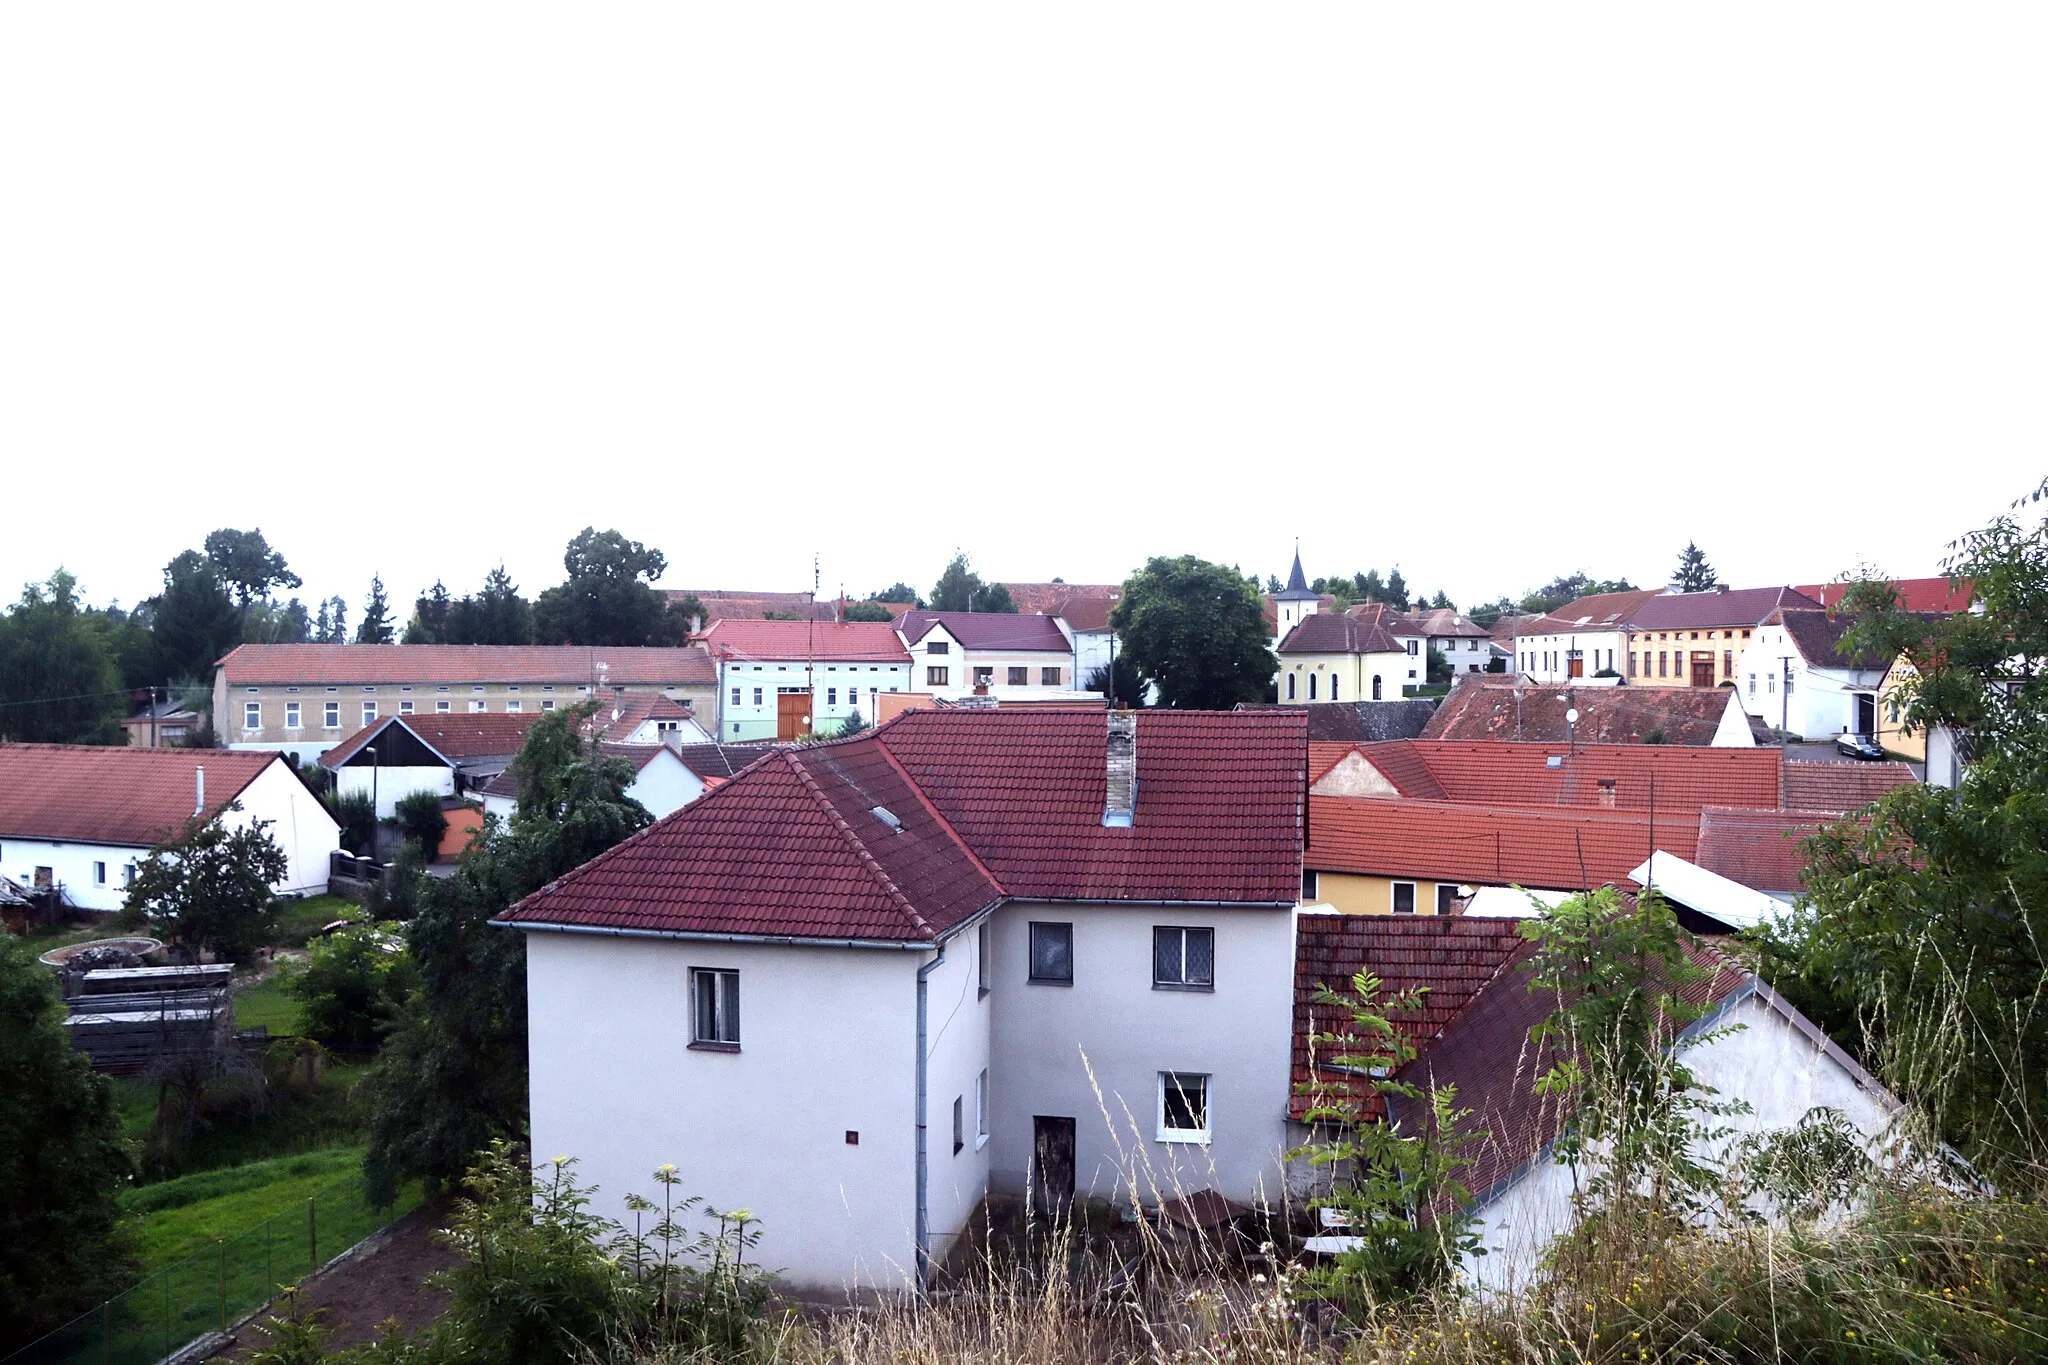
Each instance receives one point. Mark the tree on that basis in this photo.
(1693, 574)
(430, 613)
(267, 623)
(58, 681)
(453, 1075)
(209, 889)
(993, 598)
(1397, 590)
(1120, 681)
(497, 615)
(1273, 584)
(247, 566)
(898, 591)
(376, 626)
(1569, 587)
(420, 819)
(1489, 612)
(867, 611)
(354, 982)
(1197, 631)
(330, 627)
(1437, 668)
(1921, 935)
(961, 589)
(194, 619)
(1442, 602)
(609, 598)
(64, 1243)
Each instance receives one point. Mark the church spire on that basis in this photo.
(1297, 583)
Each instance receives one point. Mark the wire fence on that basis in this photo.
(210, 1289)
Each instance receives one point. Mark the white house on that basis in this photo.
(447, 754)
(77, 818)
(1579, 639)
(864, 984)
(782, 679)
(1791, 676)
(1473, 1033)
(1466, 645)
(996, 654)
(662, 781)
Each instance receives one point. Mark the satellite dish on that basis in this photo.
(1571, 717)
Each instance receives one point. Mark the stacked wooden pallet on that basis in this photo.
(129, 1020)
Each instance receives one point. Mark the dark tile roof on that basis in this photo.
(721, 760)
(835, 641)
(1817, 635)
(115, 794)
(985, 805)
(1840, 786)
(989, 630)
(1478, 709)
(1714, 609)
(1325, 632)
(452, 734)
(1351, 722)
(317, 665)
(1297, 584)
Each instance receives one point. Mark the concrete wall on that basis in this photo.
(749, 718)
(1465, 654)
(827, 1043)
(1768, 1063)
(665, 785)
(1093, 1050)
(1546, 657)
(72, 867)
(1822, 703)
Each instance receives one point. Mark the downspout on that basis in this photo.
(924, 1225)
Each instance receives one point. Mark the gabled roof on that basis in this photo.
(1601, 611)
(1351, 722)
(1940, 596)
(1397, 623)
(1758, 848)
(981, 805)
(453, 735)
(116, 794)
(1062, 599)
(1817, 635)
(619, 714)
(1450, 959)
(784, 641)
(1325, 632)
(989, 630)
(320, 665)
(1550, 850)
(1841, 787)
(722, 604)
(1443, 623)
(1510, 774)
(1478, 709)
(1715, 608)
(721, 761)
(1086, 613)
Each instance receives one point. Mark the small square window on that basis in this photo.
(405, 708)
(1049, 677)
(1404, 898)
(715, 1007)
(1446, 899)
(478, 704)
(252, 715)
(547, 704)
(1020, 677)
(441, 707)
(1052, 953)
(1183, 959)
(985, 677)
(1183, 1107)
(330, 715)
(514, 707)
(938, 647)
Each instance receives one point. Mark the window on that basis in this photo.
(1052, 953)
(478, 705)
(981, 1110)
(1411, 646)
(1631, 663)
(1728, 663)
(128, 874)
(1333, 684)
(1752, 684)
(938, 647)
(99, 874)
(1788, 683)
(1310, 884)
(1662, 671)
(1048, 677)
(548, 704)
(715, 1004)
(330, 715)
(405, 708)
(1020, 677)
(513, 707)
(291, 716)
(1290, 686)
(735, 696)
(1375, 687)
(981, 940)
(985, 676)
(1183, 1107)
(1404, 898)
(1771, 683)
(831, 696)
(937, 677)
(252, 715)
(477, 687)
(1311, 687)
(1183, 959)
(1446, 898)
(959, 1123)
(757, 696)
(369, 712)
(441, 706)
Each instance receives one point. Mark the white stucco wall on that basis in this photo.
(827, 1042)
(1093, 1051)
(298, 823)
(665, 785)
(1733, 732)
(392, 785)
(1769, 1064)
(1546, 657)
(71, 867)
(957, 1042)
(1823, 700)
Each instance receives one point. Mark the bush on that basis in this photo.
(354, 982)
(419, 818)
(358, 821)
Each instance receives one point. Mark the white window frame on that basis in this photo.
(405, 708)
(330, 715)
(292, 719)
(981, 1110)
(99, 874)
(477, 706)
(1200, 1136)
(982, 937)
(441, 707)
(369, 713)
(959, 1124)
(252, 716)
(725, 1011)
(514, 707)
(1394, 898)
(547, 704)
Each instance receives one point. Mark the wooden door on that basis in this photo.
(1702, 669)
(1577, 668)
(1052, 1166)
(792, 714)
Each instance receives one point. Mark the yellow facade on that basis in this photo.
(1354, 894)
(1348, 677)
(1664, 658)
(1892, 735)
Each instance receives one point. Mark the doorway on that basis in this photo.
(1052, 1166)
(792, 714)
(1866, 714)
(1575, 665)
(1702, 668)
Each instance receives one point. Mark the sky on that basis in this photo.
(1490, 293)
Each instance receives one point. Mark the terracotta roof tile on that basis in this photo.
(1349, 722)
(867, 641)
(1478, 710)
(1840, 786)
(1332, 633)
(1720, 607)
(1509, 774)
(336, 664)
(1941, 596)
(115, 795)
(1549, 850)
(1759, 848)
(1062, 599)
(1600, 611)
(989, 630)
(453, 735)
(722, 604)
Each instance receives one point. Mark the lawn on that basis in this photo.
(298, 921)
(189, 1214)
(267, 1005)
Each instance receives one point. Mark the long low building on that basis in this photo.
(76, 819)
(305, 699)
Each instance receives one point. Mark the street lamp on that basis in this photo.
(375, 761)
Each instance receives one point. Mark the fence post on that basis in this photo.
(312, 1238)
(106, 1336)
(221, 1246)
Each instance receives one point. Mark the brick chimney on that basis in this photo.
(1607, 793)
(1120, 788)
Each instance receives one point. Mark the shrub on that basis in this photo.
(358, 821)
(354, 982)
(418, 816)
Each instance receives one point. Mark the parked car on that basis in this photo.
(1857, 746)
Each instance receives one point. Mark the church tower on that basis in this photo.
(1295, 601)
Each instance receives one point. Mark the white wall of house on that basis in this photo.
(1465, 654)
(1094, 1050)
(1733, 732)
(93, 876)
(298, 823)
(957, 1044)
(749, 690)
(664, 786)
(1546, 656)
(1772, 1066)
(676, 730)
(1093, 649)
(615, 1083)
(390, 785)
(1348, 677)
(1822, 701)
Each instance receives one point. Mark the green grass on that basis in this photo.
(325, 1117)
(267, 1005)
(298, 921)
(188, 1215)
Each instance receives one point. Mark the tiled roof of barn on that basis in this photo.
(111, 794)
(982, 805)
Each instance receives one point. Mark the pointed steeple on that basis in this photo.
(1297, 583)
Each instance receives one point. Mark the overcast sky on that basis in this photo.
(1490, 294)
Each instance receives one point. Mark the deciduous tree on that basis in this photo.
(961, 589)
(1197, 631)
(58, 680)
(247, 565)
(609, 597)
(209, 889)
(195, 619)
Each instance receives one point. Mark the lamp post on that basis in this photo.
(375, 761)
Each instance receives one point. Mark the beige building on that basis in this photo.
(1366, 654)
(306, 699)
(1693, 639)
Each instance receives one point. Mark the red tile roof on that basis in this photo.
(1841, 786)
(453, 735)
(1477, 710)
(1332, 633)
(991, 630)
(1759, 848)
(986, 804)
(723, 605)
(619, 714)
(1544, 850)
(314, 665)
(1508, 774)
(1449, 959)
(1324, 755)
(1941, 595)
(1063, 599)
(115, 795)
(1600, 611)
(781, 641)
(1440, 623)
(1719, 607)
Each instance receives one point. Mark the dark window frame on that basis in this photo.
(1066, 929)
(725, 1009)
(1183, 984)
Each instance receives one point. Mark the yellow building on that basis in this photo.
(1692, 639)
(1892, 734)
(1366, 654)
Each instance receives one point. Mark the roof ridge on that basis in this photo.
(853, 840)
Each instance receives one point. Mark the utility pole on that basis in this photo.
(1785, 695)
